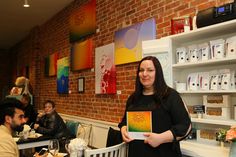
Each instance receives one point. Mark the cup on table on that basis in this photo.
(32, 133)
(25, 134)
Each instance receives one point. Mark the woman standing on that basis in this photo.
(170, 119)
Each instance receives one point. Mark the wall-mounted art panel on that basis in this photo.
(105, 72)
(51, 65)
(128, 41)
(83, 21)
(81, 55)
(63, 75)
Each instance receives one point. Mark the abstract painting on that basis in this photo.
(81, 55)
(128, 41)
(83, 21)
(51, 65)
(105, 72)
(63, 75)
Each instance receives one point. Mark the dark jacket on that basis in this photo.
(30, 113)
(53, 125)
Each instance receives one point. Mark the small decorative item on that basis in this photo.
(231, 137)
(76, 147)
(181, 24)
(81, 85)
(221, 137)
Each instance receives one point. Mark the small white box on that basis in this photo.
(204, 51)
(217, 49)
(231, 47)
(181, 55)
(180, 87)
(204, 80)
(193, 82)
(193, 53)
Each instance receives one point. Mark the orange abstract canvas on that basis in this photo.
(83, 21)
(51, 64)
(138, 123)
(81, 55)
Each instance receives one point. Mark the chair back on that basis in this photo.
(118, 150)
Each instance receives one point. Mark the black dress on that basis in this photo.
(167, 114)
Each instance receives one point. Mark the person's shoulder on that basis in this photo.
(172, 91)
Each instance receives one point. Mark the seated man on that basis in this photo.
(30, 113)
(50, 123)
(11, 119)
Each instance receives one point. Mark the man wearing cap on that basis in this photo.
(11, 120)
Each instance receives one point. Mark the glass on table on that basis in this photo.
(53, 147)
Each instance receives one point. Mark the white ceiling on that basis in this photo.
(17, 21)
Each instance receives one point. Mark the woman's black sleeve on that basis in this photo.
(179, 115)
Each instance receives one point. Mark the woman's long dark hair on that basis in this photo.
(160, 87)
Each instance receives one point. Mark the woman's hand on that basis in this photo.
(154, 139)
(124, 134)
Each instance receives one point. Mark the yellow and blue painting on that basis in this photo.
(128, 41)
(63, 75)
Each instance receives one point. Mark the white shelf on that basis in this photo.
(214, 121)
(210, 31)
(196, 149)
(180, 71)
(222, 61)
(208, 91)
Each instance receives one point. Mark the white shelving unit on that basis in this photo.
(178, 72)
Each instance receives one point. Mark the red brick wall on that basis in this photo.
(111, 16)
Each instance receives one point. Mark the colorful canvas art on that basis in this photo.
(81, 55)
(51, 64)
(63, 75)
(128, 41)
(105, 72)
(83, 21)
(139, 122)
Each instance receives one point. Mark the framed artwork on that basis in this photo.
(82, 22)
(105, 71)
(51, 65)
(128, 41)
(81, 55)
(63, 75)
(81, 84)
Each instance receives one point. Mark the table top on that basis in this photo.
(29, 140)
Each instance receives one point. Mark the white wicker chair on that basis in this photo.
(118, 150)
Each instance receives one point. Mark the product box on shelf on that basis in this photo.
(231, 47)
(207, 136)
(178, 24)
(217, 100)
(222, 113)
(217, 106)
